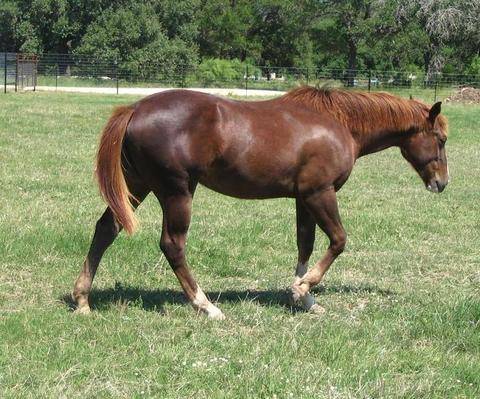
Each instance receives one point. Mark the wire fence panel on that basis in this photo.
(68, 70)
(8, 72)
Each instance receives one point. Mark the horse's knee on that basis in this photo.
(338, 243)
(174, 252)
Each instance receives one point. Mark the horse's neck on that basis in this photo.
(378, 140)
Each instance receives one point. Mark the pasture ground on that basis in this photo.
(402, 303)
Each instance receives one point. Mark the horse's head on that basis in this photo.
(425, 150)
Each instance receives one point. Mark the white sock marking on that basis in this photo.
(307, 300)
(300, 271)
(202, 303)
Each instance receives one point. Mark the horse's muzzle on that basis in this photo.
(436, 186)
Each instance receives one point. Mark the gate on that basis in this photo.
(18, 71)
(26, 71)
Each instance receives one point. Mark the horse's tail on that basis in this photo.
(109, 172)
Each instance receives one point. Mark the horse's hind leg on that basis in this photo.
(176, 220)
(106, 230)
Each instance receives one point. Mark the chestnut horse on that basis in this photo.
(302, 145)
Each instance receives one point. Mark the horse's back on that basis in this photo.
(244, 149)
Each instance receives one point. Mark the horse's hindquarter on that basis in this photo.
(241, 149)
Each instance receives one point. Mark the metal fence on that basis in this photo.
(57, 71)
(8, 70)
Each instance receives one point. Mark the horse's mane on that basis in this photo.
(364, 112)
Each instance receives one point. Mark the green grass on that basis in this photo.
(49, 80)
(402, 303)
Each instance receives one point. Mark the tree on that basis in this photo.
(282, 30)
(445, 22)
(134, 37)
(225, 29)
(179, 19)
(348, 27)
(9, 17)
(435, 35)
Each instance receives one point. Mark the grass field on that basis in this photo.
(402, 303)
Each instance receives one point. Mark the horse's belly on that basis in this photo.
(234, 184)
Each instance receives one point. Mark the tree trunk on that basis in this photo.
(352, 63)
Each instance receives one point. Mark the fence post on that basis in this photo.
(116, 75)
(435, 91)
(246, 80)
(35, 77)
(16, 72)
(56, 77)
(369, 79)
(5, 77)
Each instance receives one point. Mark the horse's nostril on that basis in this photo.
(441, 186)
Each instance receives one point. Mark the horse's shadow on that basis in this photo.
(154, 300)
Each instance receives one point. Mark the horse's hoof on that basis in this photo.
(317, 309)
(215, 313)
(84, 310)
(305, 301)
(294, 296)
(308, 301)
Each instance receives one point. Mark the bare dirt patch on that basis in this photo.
(466, 95)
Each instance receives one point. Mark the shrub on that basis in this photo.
(474, 67)
(215, 71)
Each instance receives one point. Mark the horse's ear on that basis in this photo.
(434, 111)
(411, 97)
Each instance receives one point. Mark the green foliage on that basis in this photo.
(474, 67)
(224, 29)
(213, 70)
(163, 60)
(162, 34)
(9, 13)
(134, 37)
(116, 34)
(178, 17)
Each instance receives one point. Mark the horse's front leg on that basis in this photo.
(305, 239)
(322, 205)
